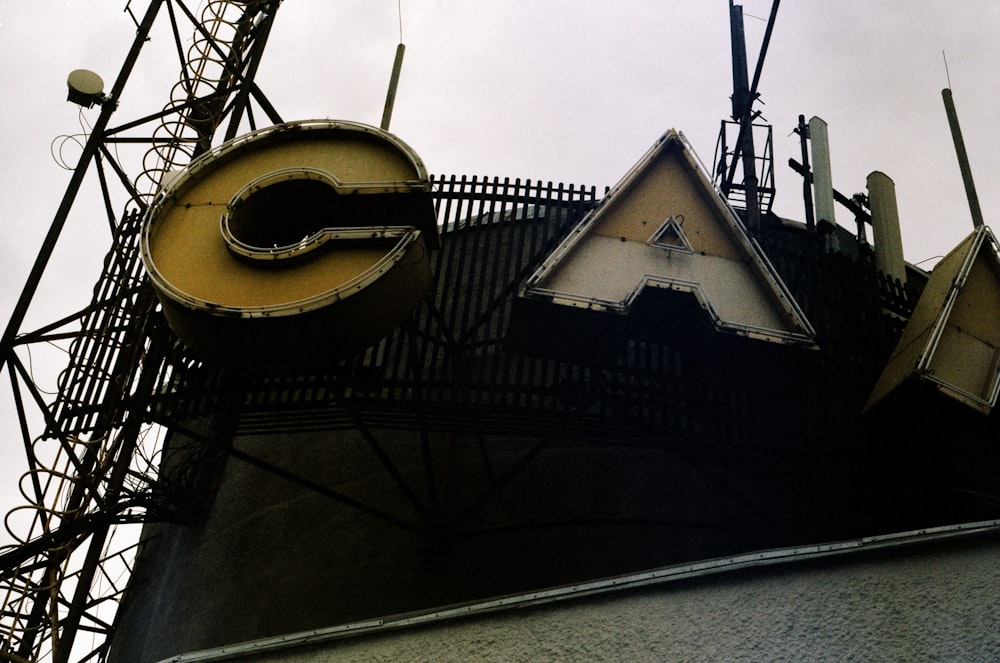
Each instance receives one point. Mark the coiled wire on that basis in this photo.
(57, 480)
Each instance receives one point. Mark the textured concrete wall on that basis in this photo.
(937, 603)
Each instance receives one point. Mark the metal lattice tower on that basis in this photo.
(89, 468)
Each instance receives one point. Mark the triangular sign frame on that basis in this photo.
(952, 340)
(624, 246)
(670, 236)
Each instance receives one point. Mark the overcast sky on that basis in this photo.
(563, 90)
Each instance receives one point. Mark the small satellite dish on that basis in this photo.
(85, 88)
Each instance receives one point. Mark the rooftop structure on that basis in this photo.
(389, 401)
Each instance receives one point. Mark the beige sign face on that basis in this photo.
(665, 226)
(953, 336)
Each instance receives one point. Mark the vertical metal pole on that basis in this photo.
(763, 50)
(741, 84)
(742, 104)
(726, 181)
(807, 197)
(89, 150)
(963, 158)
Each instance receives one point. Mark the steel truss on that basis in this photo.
(91, 468)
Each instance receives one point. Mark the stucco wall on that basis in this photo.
(934, 603)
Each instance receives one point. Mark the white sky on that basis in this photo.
(570, 91)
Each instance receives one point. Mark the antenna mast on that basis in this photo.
(963, 156)
(742, 113)
(757, 192)
(397, 65)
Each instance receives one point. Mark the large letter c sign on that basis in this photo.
(287, 248)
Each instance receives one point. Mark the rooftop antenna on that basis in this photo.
(397, 65)
(744, 96)
(963, 157)
(742, 112)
